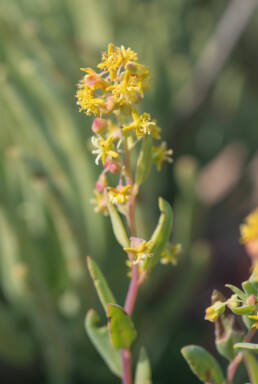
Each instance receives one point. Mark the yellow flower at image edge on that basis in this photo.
(255, 324)
(119, 195)
(161, 154)
(213, 312)
(249, 230)
(140, 249)
(104, 149)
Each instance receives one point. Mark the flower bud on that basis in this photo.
(99, 125)
(112, 166)
(213, 312)
(101, 183)
(251, 300)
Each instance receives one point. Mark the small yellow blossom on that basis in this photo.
(142, 124)
(249, 230)
(140, 249)
(87, 101)
(100, 203)
(169, 255)
(114, 58)
(255, 324)
(213, 312)
(119, 195)
(161, 154)
(127, 90)
(105, 148)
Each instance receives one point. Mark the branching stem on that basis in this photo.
(237, 360)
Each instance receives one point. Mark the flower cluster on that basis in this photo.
(244, 302)
(249, 230)
(111, 94)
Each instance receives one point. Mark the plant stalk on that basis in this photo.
(133, 286)
(237, 360)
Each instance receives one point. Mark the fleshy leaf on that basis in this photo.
(252, 367)
(121, 328)
(237, 291)
(102, 288)
(144, 161)
(117, 224)
(247, 346)
(203, 364)
(99, 337)
(226, 336)
(249, 288)
(161, 234)
(243, 310)
(143, 369)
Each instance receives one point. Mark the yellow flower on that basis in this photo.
(140, 249)
(119, 195)
(127, 90)
(114, 58)
(87, 101)
(213, 312)
(100, 203)
(161, 154)
(169, 255)
(142, 124)
(249, 230)
(255, 324)
(105, 148)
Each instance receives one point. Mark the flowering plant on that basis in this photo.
(112, 95)
(236, 322)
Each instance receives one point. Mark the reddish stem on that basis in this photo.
(126, 366)
(132, 291)
(237, 360)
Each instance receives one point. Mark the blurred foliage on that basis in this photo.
(47, 223)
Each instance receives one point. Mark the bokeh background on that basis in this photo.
(203, 58)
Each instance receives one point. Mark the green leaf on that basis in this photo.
(117, 224)
(99, 337)
(121, 327)
(226, 336)
(252, 367)
(102, 288)
(243, 310)
(237, 291)
(144, 162)
(143, 369)
(247, 346)
(249, 288)
(203, 364)
(161, 234)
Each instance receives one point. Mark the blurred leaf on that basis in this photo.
(121, 327)
(144, 162)
(103, 290)
(252, 367)
(247, 346)
(237, 291)
(203, 364)
(117, 224)
(101, 341)
(143, 369)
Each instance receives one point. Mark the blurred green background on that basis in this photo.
(203, 58)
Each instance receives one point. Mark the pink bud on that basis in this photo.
(112, 166)
(99, 125)
(90, 79)
(251, 300)
(101, 182)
